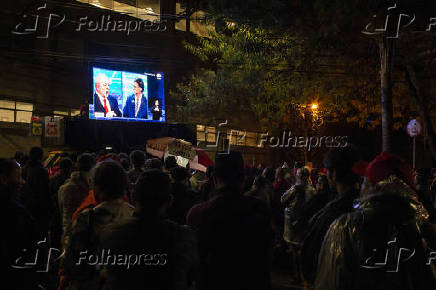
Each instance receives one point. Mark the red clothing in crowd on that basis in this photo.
(281, 185)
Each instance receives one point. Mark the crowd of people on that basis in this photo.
(117, 221)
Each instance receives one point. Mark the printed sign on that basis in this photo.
(414, 128)
(181, 148)
(52, 127)
(36, 126)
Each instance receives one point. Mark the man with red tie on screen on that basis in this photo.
(103, 103)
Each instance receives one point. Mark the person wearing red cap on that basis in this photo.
(379, 244)
(378, 174)
(385, 165)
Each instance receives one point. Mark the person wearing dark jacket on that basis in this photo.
(137, 159)
(234, 232)
(208, 188)
(170, 257)
(379, 244)
(72, 193)
(339, 164)
(109, 182)
(261, 190)
(184, 198)
(309, 209)
(36, 192)
(19, 238)
(280, 186)
(56, 181)
(170, 162)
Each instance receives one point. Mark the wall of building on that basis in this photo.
(54, 73)
(16, 138)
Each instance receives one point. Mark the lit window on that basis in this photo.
(7, 115)
(232, 135)
(211, 138)
(251, 139)
(211, 134)
(23, 117)
(24, 106)
(60, 113)
(142, 9)
(75, 113)
(5, 104)
(11, 111)
(201, 136)
(241, 138)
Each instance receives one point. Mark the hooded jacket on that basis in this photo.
(378, 245)
(319, 225)
(70, 196)
(85, 240)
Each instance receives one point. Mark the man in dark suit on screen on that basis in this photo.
(103, 103)
(136, 104)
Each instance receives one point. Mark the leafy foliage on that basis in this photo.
(271, 68)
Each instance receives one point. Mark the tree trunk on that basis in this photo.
(421, 100)
(386, 55)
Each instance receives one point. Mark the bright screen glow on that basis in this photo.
(127, 96)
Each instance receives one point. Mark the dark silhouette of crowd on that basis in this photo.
(117, 221)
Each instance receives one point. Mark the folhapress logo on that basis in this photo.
(395, 23)
(43, 22)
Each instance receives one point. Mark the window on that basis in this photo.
(6, 115)
(238, 138)
(23, 117)
(60, 113)
(211, 134)
(148, 9)
(251, 139)
(66, 112)
(7, 104)
(24, 106)
(142, 9)
(151, 10)
(206, 134)
(11, 111)
(235, 137)
(201, 136)
(75, 113)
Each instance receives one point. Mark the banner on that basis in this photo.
(36, 126)
(52, 127)
(181, 148)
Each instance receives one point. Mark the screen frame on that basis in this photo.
(122, 67)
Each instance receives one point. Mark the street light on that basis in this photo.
(314, 106)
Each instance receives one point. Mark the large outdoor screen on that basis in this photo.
(127, 96)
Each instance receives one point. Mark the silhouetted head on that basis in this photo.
(152, 192)
(229, 169)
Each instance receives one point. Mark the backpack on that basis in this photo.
(83, 244)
